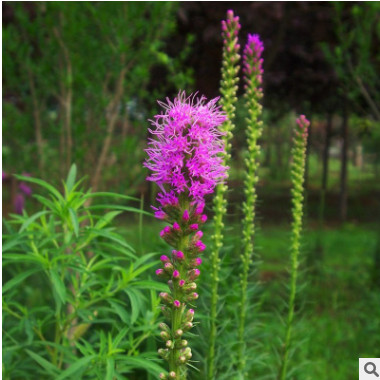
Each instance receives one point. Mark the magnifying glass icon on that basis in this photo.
(370, 368)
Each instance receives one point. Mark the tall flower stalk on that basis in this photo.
(297, 177)
(252, 69)
(186, 163)
(230, 70)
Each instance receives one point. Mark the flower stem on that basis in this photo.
(253, 93)
(230, 69)
(297, 176)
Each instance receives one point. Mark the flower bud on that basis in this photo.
(175, 274)
(183, 343)
(190, 287)
(165, 297)
(169, 344)
(193, 296)
(168, 267)
(186, 216)
(181, 283)
(187, 326)
(193, 227)
(199, 209)
(160, 215)
(197, 262)
(200, 246)
(162, 376)
(176, 226)
(182, 359)
(190, 314)
(159, 272)
(193, 274)
(180, 255)
(178, 333)
(165, 231)
(177, 304)
(203, 218)
(164, 327)
(172, 375)
(164, 259)
(164, 335)
(198, 235)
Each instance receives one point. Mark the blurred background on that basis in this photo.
(80, 80)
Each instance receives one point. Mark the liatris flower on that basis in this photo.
(252, 69)
(185, 160)
(252, 64)
(297, 176)
(228, 89)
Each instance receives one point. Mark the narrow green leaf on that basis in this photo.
(110, 369)
(138, 362)
(19, 278)
(75, 368)
(71, 177)
(113, 195)
(74, 221)
(42, 183)
(50, 368)
(120, 311)
(46, 202)
(106, 219)
(30, 220)
(135, 304)
(112, 236)
(58, 284)
(122, 208)
(150, 285)
(17, 257)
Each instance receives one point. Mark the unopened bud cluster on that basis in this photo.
(181, 270)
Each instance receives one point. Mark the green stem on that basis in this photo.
(228, 89)
(297, 174)
(254, 131)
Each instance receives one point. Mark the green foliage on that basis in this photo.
(77, 301)
(356, 57)
(78, 73)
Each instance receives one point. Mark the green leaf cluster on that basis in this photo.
(77, 299)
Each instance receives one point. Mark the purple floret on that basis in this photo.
(185, 151)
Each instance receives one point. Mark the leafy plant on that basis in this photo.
(74, 301)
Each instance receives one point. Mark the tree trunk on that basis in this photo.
(112, 114)
(343, 170)
(325, 168)
(37, 124)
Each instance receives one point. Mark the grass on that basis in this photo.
(338, 319)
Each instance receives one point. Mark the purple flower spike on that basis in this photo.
(185, 154)
(252, 61)
(186, 160)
